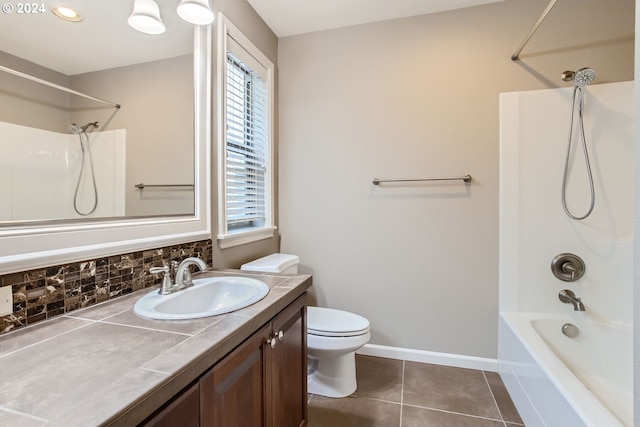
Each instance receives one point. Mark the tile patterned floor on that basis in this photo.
(408, 394)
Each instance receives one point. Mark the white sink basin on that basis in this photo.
(208, 297)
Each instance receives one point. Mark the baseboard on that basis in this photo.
(446, 359)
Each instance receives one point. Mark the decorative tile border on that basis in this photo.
(51, 291)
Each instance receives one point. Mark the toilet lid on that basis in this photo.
(337, 323)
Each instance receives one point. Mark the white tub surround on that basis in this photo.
(548, 375)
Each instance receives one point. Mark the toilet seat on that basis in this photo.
(329, 322)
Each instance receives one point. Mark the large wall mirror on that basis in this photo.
(125, 147)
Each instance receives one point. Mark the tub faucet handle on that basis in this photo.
(568, 268)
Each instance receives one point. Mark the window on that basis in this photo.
(245, 114)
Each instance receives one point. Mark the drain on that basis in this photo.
(570, 330)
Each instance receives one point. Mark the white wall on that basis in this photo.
(533, 225)
(409, 98)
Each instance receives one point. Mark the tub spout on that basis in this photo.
(568, 297)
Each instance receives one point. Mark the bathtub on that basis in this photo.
(557, 381)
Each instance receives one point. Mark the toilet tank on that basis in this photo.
(274, 263)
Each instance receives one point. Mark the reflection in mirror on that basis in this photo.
(65, 156)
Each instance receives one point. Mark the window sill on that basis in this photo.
(245, 236)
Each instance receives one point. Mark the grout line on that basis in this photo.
(455, 413)
(166, 374)
(374, 399)
(89, 322)
(494, 398)
(145, 328)
(23, 414)
(77, 314)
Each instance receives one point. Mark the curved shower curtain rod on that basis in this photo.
(533, 29)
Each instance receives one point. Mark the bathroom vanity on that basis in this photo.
(260, 383)
(106, 366)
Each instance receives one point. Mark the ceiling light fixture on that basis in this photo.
(196, 12)
(66, 13)
(146, 17)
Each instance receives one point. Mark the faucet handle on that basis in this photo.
(568, 267)
(158, 270)
(166, 287)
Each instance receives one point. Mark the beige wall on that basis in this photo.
(410, 98)
(157, 110)
(249, 22)
(27, 103)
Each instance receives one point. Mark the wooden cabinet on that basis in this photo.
(183, 410)
(262, 383)
(289, 368)
(234, 392)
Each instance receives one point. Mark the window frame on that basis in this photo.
(238, 236)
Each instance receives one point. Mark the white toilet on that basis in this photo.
(333, 336)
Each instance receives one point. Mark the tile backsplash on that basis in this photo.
(47, 292)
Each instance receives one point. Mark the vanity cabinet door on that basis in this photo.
(233, 392)
(182, 411)
(263, 382)
(288, 362)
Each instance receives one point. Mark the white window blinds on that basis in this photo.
(246, 140)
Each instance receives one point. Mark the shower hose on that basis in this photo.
(80, 176)
(579, 96)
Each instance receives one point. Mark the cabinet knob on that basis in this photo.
(278, 336)
(272, 341)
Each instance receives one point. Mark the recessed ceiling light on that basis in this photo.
(67, 14)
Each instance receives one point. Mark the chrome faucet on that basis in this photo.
(568, 297)
(183, 275)
(180, 272)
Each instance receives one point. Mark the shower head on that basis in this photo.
(580, 78)
(74, 128)
(583, 77)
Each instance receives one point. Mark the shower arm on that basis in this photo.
(533, 29)
(56, 86)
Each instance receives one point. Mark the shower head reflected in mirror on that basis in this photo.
(74, 128)
(580, 78)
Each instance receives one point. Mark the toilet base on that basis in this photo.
(334, 376)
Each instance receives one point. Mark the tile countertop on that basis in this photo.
(106, 366)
